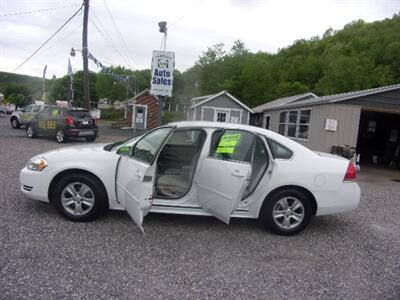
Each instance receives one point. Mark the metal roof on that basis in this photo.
(211, 97)
(335, 98)
(283, 101)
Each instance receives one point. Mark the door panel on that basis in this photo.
(135, 175)
(132, 192)
(221, 185)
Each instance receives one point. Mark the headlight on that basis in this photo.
(37, 164)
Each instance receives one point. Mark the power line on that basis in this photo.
(119, 33)
(49, 39)
(187, 13)
(109, 41)
(29, 12)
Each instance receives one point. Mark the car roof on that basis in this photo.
(268, 133)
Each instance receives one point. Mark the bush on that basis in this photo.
(112, 114)
(173, 116)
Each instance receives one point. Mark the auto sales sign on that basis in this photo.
(162, 69)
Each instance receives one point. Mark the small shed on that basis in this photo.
(220, 107)
(144, 111)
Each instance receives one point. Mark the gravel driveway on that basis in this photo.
(354, 255)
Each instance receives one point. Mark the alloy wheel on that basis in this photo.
(77, 198)
(288, 213)
(60, 136)
(29, 131)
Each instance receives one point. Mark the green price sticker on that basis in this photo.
(228, 150)
(228, 143)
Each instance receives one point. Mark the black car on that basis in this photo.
(63, 123)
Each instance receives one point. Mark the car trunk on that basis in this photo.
(82, 119)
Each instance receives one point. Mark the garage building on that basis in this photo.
(368, 120)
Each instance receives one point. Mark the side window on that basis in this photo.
(54, 112)
(234, 145)
(28, 108)
(279, 151)
(36, 108)
(148, 146)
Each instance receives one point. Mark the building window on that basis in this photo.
(221, 117)
(295, 123)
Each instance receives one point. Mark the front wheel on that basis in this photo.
(286, 212)
(30, 132)
(60, 136)
(79, 197)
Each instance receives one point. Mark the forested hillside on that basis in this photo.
(361, 55)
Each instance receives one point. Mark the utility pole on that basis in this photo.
(85, 52)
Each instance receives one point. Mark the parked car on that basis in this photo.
(24, 115)
(196, 168)
(63, 123)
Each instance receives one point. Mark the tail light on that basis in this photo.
(350, 172)
(69, 120)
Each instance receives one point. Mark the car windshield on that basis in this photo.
(128, 142)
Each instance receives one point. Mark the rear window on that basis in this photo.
(278, 150)
(79, 113)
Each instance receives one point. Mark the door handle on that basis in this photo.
(237, 173)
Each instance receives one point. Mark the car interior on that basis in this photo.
(177, 162)
(178, 159)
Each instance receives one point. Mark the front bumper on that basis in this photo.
(34, 185)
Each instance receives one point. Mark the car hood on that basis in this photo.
(81, 152)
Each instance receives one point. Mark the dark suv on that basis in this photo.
(63, 123)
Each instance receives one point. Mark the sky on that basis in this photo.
(125, 32)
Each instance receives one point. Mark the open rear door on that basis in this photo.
(221, 185)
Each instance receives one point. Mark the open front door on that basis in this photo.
(221, 185)
(133, 192)
(135, 174)
(224, 176)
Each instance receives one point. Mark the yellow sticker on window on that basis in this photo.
(228, 143)
(228, 150)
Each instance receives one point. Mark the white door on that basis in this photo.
(224, 176)
(135, 174)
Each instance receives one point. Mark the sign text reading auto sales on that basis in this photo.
(162, 69)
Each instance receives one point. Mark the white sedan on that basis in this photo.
(196, 168)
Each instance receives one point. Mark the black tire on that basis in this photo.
(98, 190)
(271, 204)
(90, 138)
(61, 137)
(15, 123)
(30, 131)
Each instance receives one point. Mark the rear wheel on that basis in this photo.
(14, 123)
(286, 212)
(90, 138)
(79, 197)
(30, 131)
(60, 135)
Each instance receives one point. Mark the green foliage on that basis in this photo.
(172, 116)
(111, 114)
(17, 99)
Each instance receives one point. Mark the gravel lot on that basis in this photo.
(354, 255)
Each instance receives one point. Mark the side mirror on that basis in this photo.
(125, 150)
